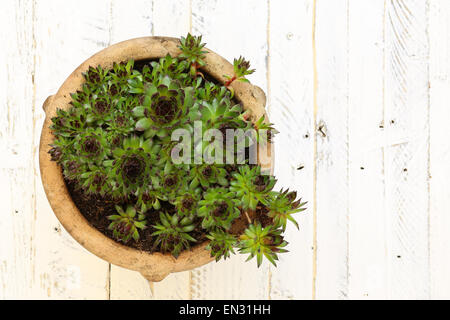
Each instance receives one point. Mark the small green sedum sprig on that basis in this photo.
(114, 142)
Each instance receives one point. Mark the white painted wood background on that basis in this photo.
(360, 91)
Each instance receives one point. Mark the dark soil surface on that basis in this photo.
(96, 209)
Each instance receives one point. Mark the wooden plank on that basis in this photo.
(131, 19)
(66, 33)
(171, 18)
(226, 26)
(331, 139)
(16, 145)
(406, 160)
(367, 218)
(290, 106)
(439, 31)
(126, 284)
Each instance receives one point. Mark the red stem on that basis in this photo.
(227, 84)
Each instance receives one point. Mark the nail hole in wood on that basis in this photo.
(322, 130)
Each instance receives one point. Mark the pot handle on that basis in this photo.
(156, 276)
(47, 102)
(260, 96)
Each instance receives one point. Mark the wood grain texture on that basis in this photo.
(130, 19)
(16, 164)
(366, 133)
(171, 18)
(65, 35)
(332, 152)
(290, 106)
(358, 90)
(406, 160)
(439, 32)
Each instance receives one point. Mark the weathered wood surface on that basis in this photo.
(359, 90)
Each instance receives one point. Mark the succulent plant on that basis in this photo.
(251, 186)
(187, 203)
(95, 181)
(221, 244)
(241, 69)
(149, 198)
(221, 113)
(173, 233)
(207, 175)
(174, 68)
(262, 242)
(261, 126)
(134, 166)
(218, 208)
(91, 145)
(172, 184)
(192, 50)
(282, 205)
(211, 91)
(69, 123)
(125, 225)
(114, 142)
(95, 75)
(164, 108)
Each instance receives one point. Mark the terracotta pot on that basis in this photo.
(156, 266)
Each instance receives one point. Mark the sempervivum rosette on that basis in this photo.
(165, 106)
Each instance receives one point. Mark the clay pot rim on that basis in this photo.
(154, 266)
